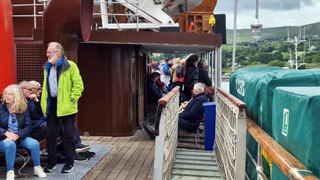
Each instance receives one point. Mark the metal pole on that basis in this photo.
(217, 71)
(234, 34)
(296, 49)
(257, 9)
(104, 13)
(34, 13)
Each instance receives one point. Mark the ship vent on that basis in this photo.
(30, 60)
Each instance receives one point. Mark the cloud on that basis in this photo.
(284, 4)
(274, 5)
(272, 13)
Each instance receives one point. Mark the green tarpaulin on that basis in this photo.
(255, 87)
(296, 123)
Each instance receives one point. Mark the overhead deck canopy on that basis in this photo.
(169, 42)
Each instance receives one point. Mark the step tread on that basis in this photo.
(195, 167)
(197, 173)
(196, 152)
(197, 158)
(184, 161)
(180, 177)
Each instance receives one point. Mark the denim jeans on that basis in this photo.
(10, 147)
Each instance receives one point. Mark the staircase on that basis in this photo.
(195, 165)
(192, 141)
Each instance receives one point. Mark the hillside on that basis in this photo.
(244, 35)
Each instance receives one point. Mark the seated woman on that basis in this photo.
(15, 128)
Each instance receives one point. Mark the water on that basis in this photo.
(225, 86)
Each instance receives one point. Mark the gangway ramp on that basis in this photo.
(195, 165)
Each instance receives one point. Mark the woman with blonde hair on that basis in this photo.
(15, 128)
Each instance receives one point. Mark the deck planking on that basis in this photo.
(130, 158)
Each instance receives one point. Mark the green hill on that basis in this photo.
(276, 33)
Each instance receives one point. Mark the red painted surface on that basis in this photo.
(7, 54)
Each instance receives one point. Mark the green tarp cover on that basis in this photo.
(296, 123)
(255, 87)
(245, 85)
(282, 78)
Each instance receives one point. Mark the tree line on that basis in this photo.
(272, 53)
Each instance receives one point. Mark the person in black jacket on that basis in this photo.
(190, 118)
(203, 73)
(154, 94)
(191, 75)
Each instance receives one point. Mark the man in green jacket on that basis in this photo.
(62, 88)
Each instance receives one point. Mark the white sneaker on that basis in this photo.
(38, 171)
(10, 175)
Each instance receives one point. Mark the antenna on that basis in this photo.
(309, 49)
(288, 38)
(300, 32)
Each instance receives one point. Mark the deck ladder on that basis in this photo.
(195, 164)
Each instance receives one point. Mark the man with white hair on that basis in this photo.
(62, 88)
(190, 118)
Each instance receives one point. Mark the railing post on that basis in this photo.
(241, 145)
(104, 13)
(34, 15)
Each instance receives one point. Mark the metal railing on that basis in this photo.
(230, 141)
(286, 162)
(35, 14)
(166, 141)
(106, 13)
(139, 14)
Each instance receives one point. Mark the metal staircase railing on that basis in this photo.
(35, 14)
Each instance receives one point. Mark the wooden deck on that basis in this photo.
(130, 158)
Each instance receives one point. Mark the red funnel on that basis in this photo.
(7, 55)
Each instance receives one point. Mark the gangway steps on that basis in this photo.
(195, 165)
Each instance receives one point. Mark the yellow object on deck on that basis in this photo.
(212, 20)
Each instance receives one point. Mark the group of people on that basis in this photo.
(29, 114)
(192, 76)
(184, 73)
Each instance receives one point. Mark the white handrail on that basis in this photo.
(35, 14)
(230, 141)
(166, 141)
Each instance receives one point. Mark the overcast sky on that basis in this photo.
(272, 13)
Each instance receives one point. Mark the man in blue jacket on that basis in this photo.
(190, 118)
